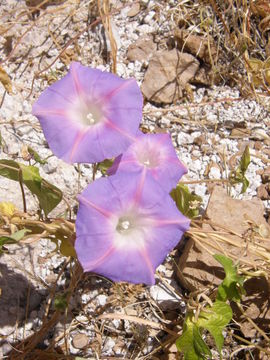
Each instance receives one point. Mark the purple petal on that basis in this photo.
(130, 266)
(156, 154)
(89, 115)
(126, 226)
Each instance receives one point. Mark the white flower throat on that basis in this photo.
(148, 156)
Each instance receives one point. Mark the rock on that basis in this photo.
(164, 298)
(240, 133)
(197, 268)
(266, 175)
(196, 45)
(80, 341)
(256, 305)
(134, 10)
(232, 213)
(259, 134)
(167, 74)
(199, 140)
(109, 344)
(258, 145)
(102, 299)
(214, 173)
(203, 76)
(263, 192)
(142, 49)
(148, 18)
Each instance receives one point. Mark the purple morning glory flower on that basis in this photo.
(125, 227)
(155, 154)
(89, 115)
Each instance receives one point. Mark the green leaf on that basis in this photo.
(238, 176)
(10, 169)
(60, 302)
(18, 235)
(232, 287)
(191, 342)
(245, 185)
(245, 160)
(12, 239)
(5, 240)
(66, 248)
(35, 156)
(215, 319)
(186, 202)
(48, 195)
(105, 165)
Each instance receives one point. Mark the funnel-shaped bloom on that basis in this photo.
(89, 115)
(155, 154)
(125, 227)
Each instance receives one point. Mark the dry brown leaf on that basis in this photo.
(261, 8)
(5, 80)
(260, 71)
(267, 71)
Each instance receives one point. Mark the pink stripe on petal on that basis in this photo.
(49, 112)
(119, 88)
(109, 123)
(81, 134)
(148, 265)
(94, 206)
(137, 195)
(76, 80)
(94, 264)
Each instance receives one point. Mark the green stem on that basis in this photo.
(22, 190)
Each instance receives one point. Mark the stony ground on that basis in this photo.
(211, 122)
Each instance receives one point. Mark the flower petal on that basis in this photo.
(89, 115)
(156, 154)
(126, 226)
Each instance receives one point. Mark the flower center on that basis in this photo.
(130, 231)
(124, 224)
(149, 158)
(90, 118)
(92, 115)
(87, 113)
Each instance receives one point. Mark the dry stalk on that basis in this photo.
(192, 105)
(264, 350)
(104, 11)
(136, 319)
(213, 241)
